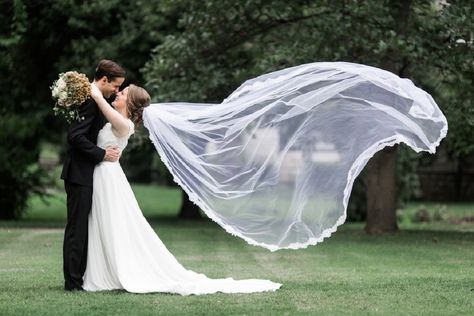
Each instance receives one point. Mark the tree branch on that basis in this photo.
(251, 31)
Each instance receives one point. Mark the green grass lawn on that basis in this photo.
(425, 269)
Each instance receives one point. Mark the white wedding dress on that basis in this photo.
(124, 252)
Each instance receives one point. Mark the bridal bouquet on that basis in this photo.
(69, 92)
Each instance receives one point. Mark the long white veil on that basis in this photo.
(275, 162)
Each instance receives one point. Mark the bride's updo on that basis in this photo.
(137, 100)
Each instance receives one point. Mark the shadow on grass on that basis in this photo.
(61, 223)
(348, 231)
(435, 236)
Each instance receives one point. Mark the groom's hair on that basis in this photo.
(109, 69)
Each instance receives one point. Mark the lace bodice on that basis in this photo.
(106, 137)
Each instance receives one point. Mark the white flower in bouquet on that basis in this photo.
(69, 92)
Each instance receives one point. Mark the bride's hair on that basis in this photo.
(137, 100)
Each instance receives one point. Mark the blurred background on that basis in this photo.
(200, 51)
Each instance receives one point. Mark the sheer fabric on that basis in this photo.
(275, 162)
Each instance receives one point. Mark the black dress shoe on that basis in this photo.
(73, 289)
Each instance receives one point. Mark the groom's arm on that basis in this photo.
(77, 133)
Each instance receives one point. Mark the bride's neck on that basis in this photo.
(123, 112)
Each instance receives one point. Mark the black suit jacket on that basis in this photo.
(83, 154)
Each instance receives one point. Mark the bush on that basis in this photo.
(19, 172)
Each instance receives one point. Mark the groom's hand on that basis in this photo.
(112, 153)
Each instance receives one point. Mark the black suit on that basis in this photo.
(78, 170)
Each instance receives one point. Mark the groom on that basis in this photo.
(78, 169)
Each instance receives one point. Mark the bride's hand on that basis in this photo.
(95, 92)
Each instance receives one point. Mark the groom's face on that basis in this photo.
(111, 87)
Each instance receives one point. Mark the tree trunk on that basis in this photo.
(381, 192)
(188, 210)
(7, 213)
(381, 175)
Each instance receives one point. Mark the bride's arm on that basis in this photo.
(119, 123)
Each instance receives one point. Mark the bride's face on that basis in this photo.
(120, 101)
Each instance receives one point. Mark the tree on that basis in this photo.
(222, 43)
(40, 39)
(381, 169)
(19, 174)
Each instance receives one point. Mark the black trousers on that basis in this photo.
(79, 203)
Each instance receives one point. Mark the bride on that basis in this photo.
(124, 252)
